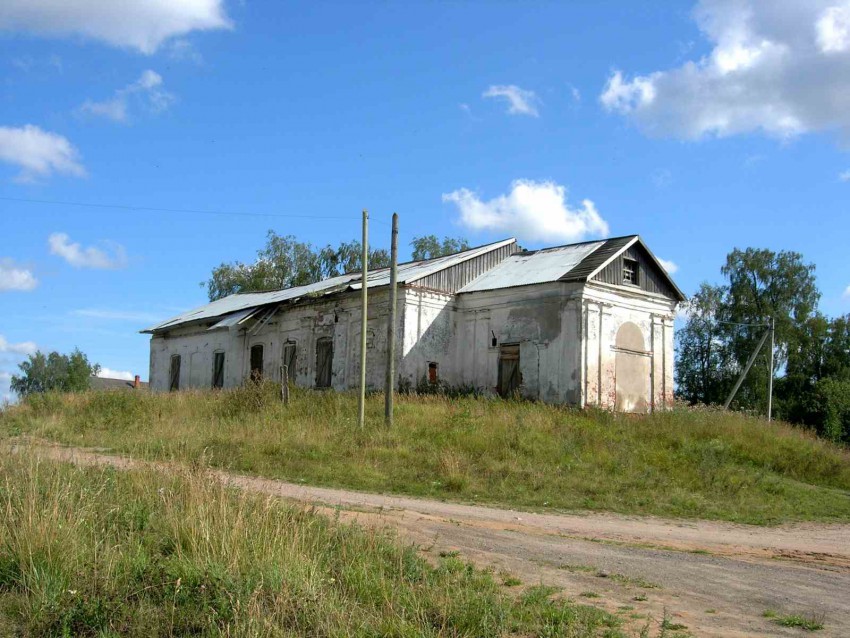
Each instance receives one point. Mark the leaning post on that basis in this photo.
(364, 319)
(388, 390)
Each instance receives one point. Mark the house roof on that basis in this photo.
(108, 383)
(573, 262)
(239, 307)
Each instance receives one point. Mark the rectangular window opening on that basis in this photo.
(433, 372)
(324, 362)
(288, 361)
(174, 374)
(257, 362)
(218, 370)
(630, 272)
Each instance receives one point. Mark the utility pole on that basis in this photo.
(747, 368)
(364, 319)
(770, 379)
(388, 391)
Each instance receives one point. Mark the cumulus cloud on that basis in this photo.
(777, 67)
(534, 211)
(669, 266)
(38, 153)
(846, 294)
(519, 101)
(844, 176)
(23, 348)
(14, 277)
(147, 91)
(143, 25)
(87, 257)
(109, 373)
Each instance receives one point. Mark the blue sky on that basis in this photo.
(703, 127)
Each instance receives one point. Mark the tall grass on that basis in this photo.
(681, 463)
(101, 552)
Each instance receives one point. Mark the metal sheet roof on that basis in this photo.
(407, 273)
(522, 269)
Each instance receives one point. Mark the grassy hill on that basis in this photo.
(681, 464)
(107, 553)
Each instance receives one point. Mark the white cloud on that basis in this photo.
(781, 68)
(115, 315)
(520, 101)
(38, 153)
(534, 211)
(147, 90)
(109, 373)
(846, 294)
(670, 266)
(22, 348)
(89, 257)
(14, 277)
(143, 25)
(844, 176)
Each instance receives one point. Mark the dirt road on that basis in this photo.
(716, 579)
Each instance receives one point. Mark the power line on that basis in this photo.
(176, 210)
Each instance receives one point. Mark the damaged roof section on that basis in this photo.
(231, 308)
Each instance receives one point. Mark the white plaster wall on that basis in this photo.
(605, 309)
(427, 334)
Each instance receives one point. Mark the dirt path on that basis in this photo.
(715, 578)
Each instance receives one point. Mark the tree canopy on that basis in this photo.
(285, 262)
(429, 246)
(725, 322)
(54, 372)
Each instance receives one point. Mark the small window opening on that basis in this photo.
(257, 362)
(433, 375)
(218, 370)
(174, 373)
(630, 272)
(494, 341)
(324, 362)
(289, 359)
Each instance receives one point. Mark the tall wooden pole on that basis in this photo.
(388, 390)
(364, 319)
(770, 379)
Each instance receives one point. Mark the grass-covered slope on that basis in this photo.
(682, 463)
(100, 552)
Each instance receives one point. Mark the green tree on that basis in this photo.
(54, 372)
(429, 247)
(285, 262)
(703, 355)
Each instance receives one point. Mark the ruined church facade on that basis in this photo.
(583, 324)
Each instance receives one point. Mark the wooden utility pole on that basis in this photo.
(364, 319)
(388, 390)
(749, 365)
(770, 379)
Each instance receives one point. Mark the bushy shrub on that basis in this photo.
(831, 405)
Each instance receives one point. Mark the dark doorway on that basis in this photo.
(433, 375)
(218, 370)
(174, 374)
(257, 362)
(324, 362)
(509, 375)
(288, 360)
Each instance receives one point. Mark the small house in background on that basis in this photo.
(583, 324)
(108, 383)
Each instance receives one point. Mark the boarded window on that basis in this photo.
(509, 375)
(288, 361)
(257, 362)
(324, 362)
(630, 272)
(432, 372)
(218, 370)
(174, 373)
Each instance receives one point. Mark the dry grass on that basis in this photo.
(681, 464)
(100, 552)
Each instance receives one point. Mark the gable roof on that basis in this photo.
(238, 308)
(573, 262)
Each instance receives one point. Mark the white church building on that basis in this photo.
(584, 324)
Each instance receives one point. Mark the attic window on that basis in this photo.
(630, 272)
